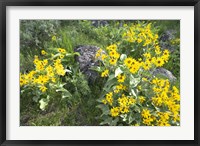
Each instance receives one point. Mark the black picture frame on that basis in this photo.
(5, 3)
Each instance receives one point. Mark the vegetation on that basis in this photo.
(54, 92)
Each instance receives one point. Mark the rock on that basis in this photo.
(165, 39)
(164, 72)
(98, 23)
(87, 60)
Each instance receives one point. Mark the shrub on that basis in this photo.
(48, 79)
(35, 33)
(132, 95)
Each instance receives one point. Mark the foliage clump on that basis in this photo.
(132, 95)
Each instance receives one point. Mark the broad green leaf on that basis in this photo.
(133, 92)
(55, 56)
(96, 68)
(107, 120)
(66, 93)
(137, 109)
(43, 103)
(124, 117)
(123, 56)
(35, 98)
(131, 118)
(67, 70)
(77, 53)
(111, 77)
(114, 122)
(104, 109)
(118, 71)
(134, 81)
(110, 82)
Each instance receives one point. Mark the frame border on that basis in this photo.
(5, 3)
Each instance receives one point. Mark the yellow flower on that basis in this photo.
(165, 56)
(36, 60)
(114, 111)
(114, 54)
(103, 57)
(121, 78)
(109, 98)
(53, 80)
(43, 52)
(119, 87)
(148, 121)
(98, 53)
(134, 68)
(123, 101)
(43, 88)
(22, 81)
(147, 55)
(146, 65)
(144, 79)
(113, 61)
(147, 42)
(59, 67)
(60, 71)
(146, 113)
(45, 62)
(49, 69)
(159, 62)
(141, 99)
(62, 56)
(163, 119)
(61, 50)
(39, 66)
(131, 101)
(42, 80)
(124, 109)
(166, 53)
(105, 73)
(128, 61)
(157, 101)
(112, 47)
(104, 101)
(139, 40)
(157, 50)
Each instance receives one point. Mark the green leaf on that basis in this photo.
(77, 53)
(96, 68)
(137, 109)
(118, 71)
(67, 70)
(104, 109)
(35, 98)
(114, 122)
(110, 82)
(134, 81)
(43, 103)
(131, 118)
(133, 92)
(107, 120)
(124, 117)
(123, 56)
(65, 93)
(57, 55)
